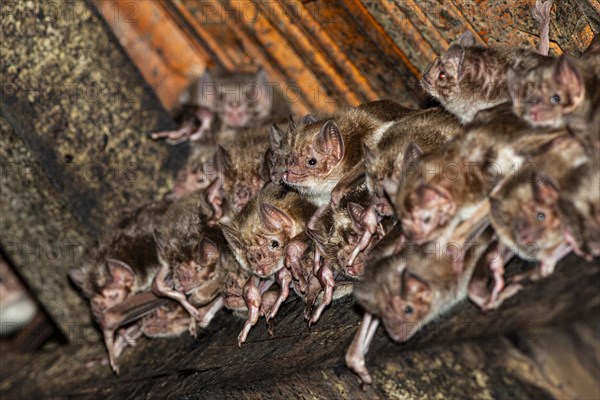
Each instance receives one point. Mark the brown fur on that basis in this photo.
(357, 127)
(411, 288)
(468, 78)
(253, 241)
(428, 129)
(526, 214)
(452, 182)
(241, 100)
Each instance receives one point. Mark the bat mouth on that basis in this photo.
(291, 176)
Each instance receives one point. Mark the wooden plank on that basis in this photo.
(76, 115)
(167, 58)
(297, 362)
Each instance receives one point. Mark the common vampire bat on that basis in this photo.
(259, 237)
(408, 289)
(321, 151)
(468, 78)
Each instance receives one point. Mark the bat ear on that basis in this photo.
(316, 235)
(263, 95)
(466, 39)
(222, 159)
(274, 219)
(309, 119)
(231, 235)
(160, 239)
(275, 137)
(413, 153)
(370, 155)
(330, 141)
(207, 90)
(453, 58)
(291, 123)
(209, 251)
(120, 273)
(512, 82)
(567, 75)
(356, 212)
(77, 276)
(414, 287)
(544, 189)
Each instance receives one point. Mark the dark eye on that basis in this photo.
(408, 310)
(541, 217)
(441, 75)
(427, 220)
(274, 244)
(555, 99)
(312, 162)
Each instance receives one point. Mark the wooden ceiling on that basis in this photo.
(325, 54)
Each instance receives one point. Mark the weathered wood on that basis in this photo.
(75, 154)
(298, 363)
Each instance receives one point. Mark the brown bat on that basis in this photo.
(454, 181)
(559, 93)
(404, 142)
(191, 253)
(525, 208)
(406, 290)
(468, 78)
(110, 275)
(259, 236)
(321, 151)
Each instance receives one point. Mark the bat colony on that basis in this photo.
(419, 208)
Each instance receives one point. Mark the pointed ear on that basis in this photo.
(413, 153)
(429, 195)
(544, 189)
(209, 252)
(316, 235)
(275, 137)
(161, 240)
(356, 212)
(231, 235)
(309, 119)
(390, 186)
(512, 83)
(454, 57)
(466, 39)
(120, 273)
(370, 155)
(274, 219)
(330, 141)
(263, 97)
(77, 276)
(413, 287)
(567, 75)
(207, 90)
(291, 123)
(222, 159)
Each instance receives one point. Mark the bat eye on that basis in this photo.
(427, 220)
(312, 162)
(555, 99)
(541, 217)
(408, 310)
(441, 76)
(274, 244)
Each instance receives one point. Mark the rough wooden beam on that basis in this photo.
(76, 111)
(297, 362)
